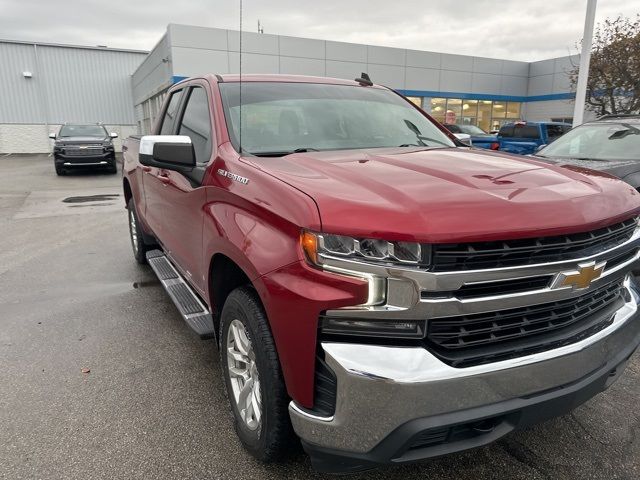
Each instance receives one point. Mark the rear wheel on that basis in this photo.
(253, 377)
(135, 233)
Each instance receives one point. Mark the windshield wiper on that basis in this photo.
(421, 138)
(588, 159)
(283, 153)
(305, 149)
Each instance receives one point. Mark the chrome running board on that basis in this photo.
(193, 311)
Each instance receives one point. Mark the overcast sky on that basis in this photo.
(519, 30)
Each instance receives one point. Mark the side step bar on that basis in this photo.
(193, 311)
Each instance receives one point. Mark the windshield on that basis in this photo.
(597, 141)
(472, 130)
(282, 118)
(82, 131)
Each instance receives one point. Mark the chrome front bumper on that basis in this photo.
(380, 388)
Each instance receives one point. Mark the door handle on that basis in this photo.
(164, 179)
(146, 169)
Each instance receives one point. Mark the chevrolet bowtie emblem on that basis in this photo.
(580, 278)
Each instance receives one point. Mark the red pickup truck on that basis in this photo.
(376, 288)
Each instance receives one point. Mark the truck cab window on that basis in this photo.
(196, 124)
(169, 119)
(555, 131)
(527, 131)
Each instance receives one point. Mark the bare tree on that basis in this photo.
(614, 73)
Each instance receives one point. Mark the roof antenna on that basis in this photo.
(364, 80)
(240, 71)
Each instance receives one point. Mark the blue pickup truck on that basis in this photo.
(524, 138)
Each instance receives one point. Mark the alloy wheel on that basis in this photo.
(243, 373)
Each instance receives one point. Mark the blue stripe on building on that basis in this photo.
(465, 96)
(486, 96)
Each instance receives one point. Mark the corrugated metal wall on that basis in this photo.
(69, 84)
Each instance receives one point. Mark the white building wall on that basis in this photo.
(552, 109)
(198, 50)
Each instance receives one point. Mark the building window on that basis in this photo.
(513, 110)
(438, 108)
(416, 100)
(469, 112)
(486, 114)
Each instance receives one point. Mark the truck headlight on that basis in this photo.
(319, 245)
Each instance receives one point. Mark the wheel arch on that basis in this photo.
(128, 193)
(224, 276)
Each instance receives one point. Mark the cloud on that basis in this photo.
(515, 30)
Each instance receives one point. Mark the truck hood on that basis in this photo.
(452, 194)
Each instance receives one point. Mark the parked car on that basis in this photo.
(524, 138)
(610, 144)
(83, 146)
(479, 138)
(382, 293)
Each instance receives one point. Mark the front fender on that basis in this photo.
(633, 179)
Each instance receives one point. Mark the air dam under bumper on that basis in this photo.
(402, 404)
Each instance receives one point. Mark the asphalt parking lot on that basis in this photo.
(153, 404)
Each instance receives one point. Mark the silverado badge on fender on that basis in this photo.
(580, 278)
(233, 176)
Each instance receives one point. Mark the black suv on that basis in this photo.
(610, 144)
(83, 146)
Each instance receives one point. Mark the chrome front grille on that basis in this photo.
(84, 152)
(480, 316)
(509, 253)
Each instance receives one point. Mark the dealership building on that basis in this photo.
(46, 85)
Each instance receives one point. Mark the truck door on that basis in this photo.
(153, 182)
(183, 198)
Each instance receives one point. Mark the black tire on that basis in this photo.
(60, 170)
(113, 168)
(273, 438)
(138, 244)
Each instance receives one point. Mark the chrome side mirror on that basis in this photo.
(113, 135)
(172, 152)
(52, 136)
(464, 138)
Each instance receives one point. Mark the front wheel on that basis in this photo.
(253, 377)
(135, 233)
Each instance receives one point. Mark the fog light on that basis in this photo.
(366, 328)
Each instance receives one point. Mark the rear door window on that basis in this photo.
(506, 131)
(527, 131)
(169, 120)
(196, 124)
